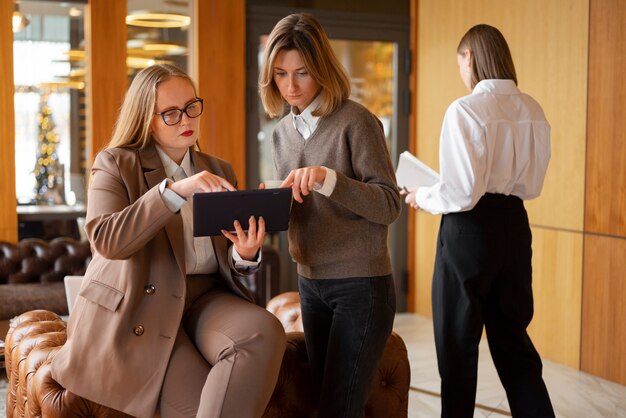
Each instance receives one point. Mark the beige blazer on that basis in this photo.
(123, 325)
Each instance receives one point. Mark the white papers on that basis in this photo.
(412, 173)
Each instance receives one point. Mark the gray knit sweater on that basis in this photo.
(343, 235)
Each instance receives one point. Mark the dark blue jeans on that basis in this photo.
(346, 326)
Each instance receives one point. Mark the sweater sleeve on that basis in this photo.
(372, 193)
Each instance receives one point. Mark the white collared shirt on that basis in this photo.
(495, 140)
(306, 124)
(199, 253)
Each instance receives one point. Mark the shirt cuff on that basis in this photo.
(171, 199)
(329, 183)
(421, 195)
(244, 265)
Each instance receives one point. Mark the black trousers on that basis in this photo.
(483, 277)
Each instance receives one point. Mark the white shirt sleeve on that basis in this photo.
(462, 161)
(171, 199)
(241, 264)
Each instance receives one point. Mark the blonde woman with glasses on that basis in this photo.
(162, 323)
(331, 151)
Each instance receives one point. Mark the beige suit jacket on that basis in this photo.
(123, 325)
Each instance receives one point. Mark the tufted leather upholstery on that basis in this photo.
(32, 341)
(32, 271)
(34, 338)
(37, 261)
(389, 396)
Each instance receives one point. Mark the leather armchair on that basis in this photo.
(34, 338)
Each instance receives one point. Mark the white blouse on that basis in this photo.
(495, 140)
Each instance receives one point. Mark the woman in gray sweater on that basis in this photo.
(331, 151)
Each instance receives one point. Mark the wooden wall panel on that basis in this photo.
(557, 277)
(604, 310)
(606, 153)
(220, 40)
(604, 289)
(8, 212)
(107, 80)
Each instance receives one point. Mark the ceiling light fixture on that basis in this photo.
(140, 47)
(76, 55)
(57, 85)
(75, 12)
(157, 20)
(19, 20)
(139, 62)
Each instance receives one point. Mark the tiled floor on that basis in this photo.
(574, 394)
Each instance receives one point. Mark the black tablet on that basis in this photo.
(213, 212)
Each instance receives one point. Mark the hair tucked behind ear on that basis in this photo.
(491, 56)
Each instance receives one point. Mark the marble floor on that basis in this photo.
(574, 394)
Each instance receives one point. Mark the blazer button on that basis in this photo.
(149, 289)
(138, 330)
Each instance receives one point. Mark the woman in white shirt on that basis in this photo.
(494, 152)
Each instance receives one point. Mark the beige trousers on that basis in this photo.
(226, 356)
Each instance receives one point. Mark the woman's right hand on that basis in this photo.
(200, 182)
(410, 197)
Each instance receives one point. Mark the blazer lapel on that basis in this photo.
(154, 173)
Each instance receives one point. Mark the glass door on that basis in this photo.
(373, 50)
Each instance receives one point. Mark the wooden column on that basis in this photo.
(8, 202)
(220, 41)
(107, 80)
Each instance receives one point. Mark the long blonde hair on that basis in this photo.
(304, 33)
(132, 128)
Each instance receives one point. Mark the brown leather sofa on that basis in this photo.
(32, 272)
(34, 337)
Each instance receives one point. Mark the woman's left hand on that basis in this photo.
(247, 244)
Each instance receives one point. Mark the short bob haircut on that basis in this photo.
(132, 128)
(304, 33)
(491, 56)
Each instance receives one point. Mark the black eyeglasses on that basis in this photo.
(173, 116)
